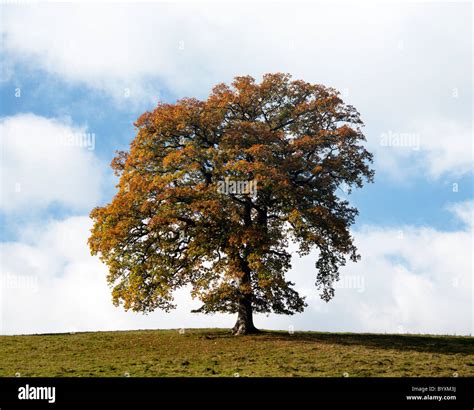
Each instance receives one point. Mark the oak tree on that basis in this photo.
(212, 192)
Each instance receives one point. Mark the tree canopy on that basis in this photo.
(211, 193)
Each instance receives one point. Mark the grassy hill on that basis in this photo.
(214, 352)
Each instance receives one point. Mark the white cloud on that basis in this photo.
(449, 148)
(47, 161)
(416, 280)
(434, 147)
(464, 211)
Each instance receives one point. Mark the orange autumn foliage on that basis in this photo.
(169, 225)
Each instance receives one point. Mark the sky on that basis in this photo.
(75, 77)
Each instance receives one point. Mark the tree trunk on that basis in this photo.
(244, 324)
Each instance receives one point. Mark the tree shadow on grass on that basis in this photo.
(418, 343)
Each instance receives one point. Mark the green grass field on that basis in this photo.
(214, 352)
